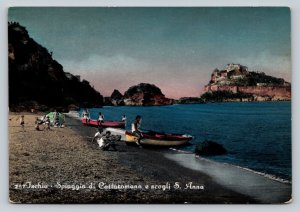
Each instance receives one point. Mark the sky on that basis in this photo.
(174, 48)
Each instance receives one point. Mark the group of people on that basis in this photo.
(44, 120)
(86, 115)
(56, 121)
(104, 140)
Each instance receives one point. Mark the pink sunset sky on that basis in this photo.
(176, 48)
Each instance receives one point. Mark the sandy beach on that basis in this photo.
(62, 165)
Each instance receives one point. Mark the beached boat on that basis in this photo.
(158, 139)
(120, 124)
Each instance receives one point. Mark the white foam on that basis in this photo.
(271, 177)
(261, 187)
(73, 114)
(180, 151)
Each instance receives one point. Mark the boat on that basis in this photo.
(94, 123)
(158, 139)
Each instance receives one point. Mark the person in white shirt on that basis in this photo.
(124, 119)
(105, 142)
(100, 119)
(86, 115)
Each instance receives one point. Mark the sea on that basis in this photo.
(257, 135)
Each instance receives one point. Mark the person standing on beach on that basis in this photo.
(86, 115)
(100, 119)
(37, 123)
(56, 119)
(135, 128)
(47, 122)
(124, 119)
(21, 121)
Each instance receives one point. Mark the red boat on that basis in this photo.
(159, 139)
(119, 124)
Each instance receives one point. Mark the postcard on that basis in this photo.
(188, 105)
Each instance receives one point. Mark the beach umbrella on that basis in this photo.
(61, 117)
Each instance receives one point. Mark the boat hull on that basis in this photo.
(94, 123)
(159, 140)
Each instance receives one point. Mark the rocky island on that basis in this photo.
(189, 100)
(236, 83)
(145, 94)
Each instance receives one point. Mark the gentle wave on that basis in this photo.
(272, 177)
(269, 176)
(73, 114)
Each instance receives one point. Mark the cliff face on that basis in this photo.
(237, 79)
(34, 76)
(145, 94)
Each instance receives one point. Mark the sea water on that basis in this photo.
(257, 135)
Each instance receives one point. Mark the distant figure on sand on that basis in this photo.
(21, 121)
(135, 128)
(86, 115)
(100, 119)
(47, 122)
(37, 123)
(56, 119)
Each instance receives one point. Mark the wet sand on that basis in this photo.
(245, 181)
(63, 166)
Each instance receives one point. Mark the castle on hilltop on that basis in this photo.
(231, 72)
(236, 78)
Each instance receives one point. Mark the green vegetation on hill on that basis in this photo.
(254, 78)
(145, 88)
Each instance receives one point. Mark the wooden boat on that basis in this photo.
(94, 123)
(158, 139)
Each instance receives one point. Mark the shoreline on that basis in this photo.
(153, 164)
(266, 175)
(240, 179)
(66, 156)
(16, 109)
(271, 190)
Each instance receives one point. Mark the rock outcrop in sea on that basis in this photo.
(236, 83)
(39, 81)
(145, 94)
(189, 100)
(210, 148)
(117, 98)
